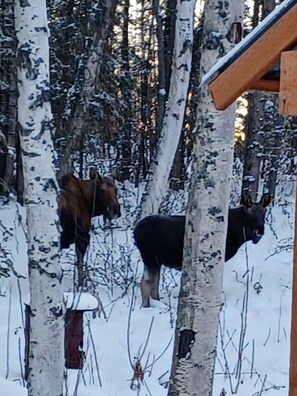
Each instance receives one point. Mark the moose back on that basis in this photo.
(160, 240)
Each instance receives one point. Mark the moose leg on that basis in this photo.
(155, 285)
(149, 283)
(80, 267)
(81, 245)
(65, 241)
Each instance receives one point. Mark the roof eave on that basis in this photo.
(248, 69)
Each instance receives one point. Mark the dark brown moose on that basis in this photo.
(80, 200)
(160, 240)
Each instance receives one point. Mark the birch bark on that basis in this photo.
(46, 347)
(173, 121)
(206, 219)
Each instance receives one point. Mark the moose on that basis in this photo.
(79, 201)
(160, 240)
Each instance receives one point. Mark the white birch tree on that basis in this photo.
(46, 348)
(206, 220)
(173, 120)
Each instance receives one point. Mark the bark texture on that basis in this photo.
(206, 226)
(46, 348)
(174, 116)
(81, 120)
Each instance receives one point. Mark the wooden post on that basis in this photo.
(293, 354)
(288, 105)
(74, 337)
(288, 83)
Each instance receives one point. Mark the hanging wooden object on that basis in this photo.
(75, 304)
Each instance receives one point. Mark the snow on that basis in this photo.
(75, 301)
(254, 337)
(246, 41)
(80, 301)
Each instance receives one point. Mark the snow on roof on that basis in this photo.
(245, 43)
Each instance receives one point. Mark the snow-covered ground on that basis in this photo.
(254, 337)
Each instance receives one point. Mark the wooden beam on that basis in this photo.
(265, 85)
(252, 64)
(288, 84)
(293, 354)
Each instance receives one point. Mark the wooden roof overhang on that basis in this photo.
(255, 62)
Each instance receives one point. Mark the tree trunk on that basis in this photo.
(169, 36)
(173, 120)
(206, 220)
(19, 172)
(124, 146)
(11, 135)
(46, 348)
(253, 152)
(90, 85)
(160, 111)
(8, 102)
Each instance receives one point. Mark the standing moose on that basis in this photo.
(160, 240)
(80, 200)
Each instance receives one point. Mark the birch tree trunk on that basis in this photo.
(46, 347)
(173, 121)
(206, 219)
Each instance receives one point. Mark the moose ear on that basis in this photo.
(246, 200)
(265, 200)
(94, 174)
(111, 177)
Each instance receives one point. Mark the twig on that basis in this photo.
(128, 328)
(21, 361)
(263, 383)
(147, 337)
(21, 303)
(15, 273)
(95, 354)
(243, 329)
(253, 358)
(5, 229)
(275, 387)
(227, 370)
(268, 336)
(161, 354)
(147, 388)
(8, 333)
(279, 317)
(77, 383)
